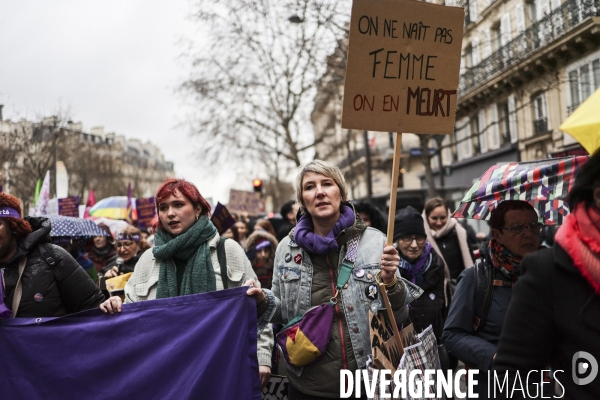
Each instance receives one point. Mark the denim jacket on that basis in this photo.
(292, 281)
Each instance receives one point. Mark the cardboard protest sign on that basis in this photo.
(69, 206)
(241, 201)
(145, 212)
(386, 354)
(221, 218)
(403, 66)
(277, 388)
(384, 346)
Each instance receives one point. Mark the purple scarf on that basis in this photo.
(306, 238)
(414, 272)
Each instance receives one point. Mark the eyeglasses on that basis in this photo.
(409, 239)
(535, 228)
(125, 244)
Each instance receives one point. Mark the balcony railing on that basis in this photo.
(539, 34)
(540, 125)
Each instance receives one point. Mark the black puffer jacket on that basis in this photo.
(48, 291)
(428, 309)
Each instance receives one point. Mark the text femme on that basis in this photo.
(411, 63)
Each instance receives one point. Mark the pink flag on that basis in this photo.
(90, 203)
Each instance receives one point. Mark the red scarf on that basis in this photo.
(580, 238)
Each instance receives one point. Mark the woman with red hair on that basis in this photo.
(185, 261)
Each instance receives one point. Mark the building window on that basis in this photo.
(512, 118)
(446, 151)
(574, 90)
(474, 134)
(482, 124)
(435, 160)
(540, 123)
(586, 84)
(583, 81)
(496, 35)
(464, 144)
(495, 136)
(468, 57)
(472, 14)
(475, 55)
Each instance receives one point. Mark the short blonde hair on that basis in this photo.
(323, 168)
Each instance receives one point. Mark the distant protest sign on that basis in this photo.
(403, 66)
(241, 201)
(69, 206)
(145, 212)
(222, 219)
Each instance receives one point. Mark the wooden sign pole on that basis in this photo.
(390, 234)
(390, 312)
(394, 189)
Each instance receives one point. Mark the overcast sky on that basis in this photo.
(111, 63)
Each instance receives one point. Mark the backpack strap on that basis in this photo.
(222, 257)
(46, 253)
(484, 290)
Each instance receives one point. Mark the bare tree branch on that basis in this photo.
(254, 84)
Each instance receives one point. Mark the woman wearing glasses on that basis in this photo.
(479, 305)
(130, 247)
(420, 264)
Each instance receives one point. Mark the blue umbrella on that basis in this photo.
(74, 227)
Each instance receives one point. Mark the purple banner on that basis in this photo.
(189, 347)
(69, 206)
(145, 212)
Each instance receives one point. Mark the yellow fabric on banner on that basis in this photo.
(584, 123)
(302, 351)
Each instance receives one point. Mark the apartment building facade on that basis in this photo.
(526, 65)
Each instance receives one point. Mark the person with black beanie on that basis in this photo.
(420, 264)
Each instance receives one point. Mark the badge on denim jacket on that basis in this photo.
(372, 291)
(288, 257)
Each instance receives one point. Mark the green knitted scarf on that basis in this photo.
(192, 246)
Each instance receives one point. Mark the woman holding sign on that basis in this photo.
(331, 263)
(185, 261)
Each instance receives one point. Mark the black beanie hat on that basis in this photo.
(408, 221)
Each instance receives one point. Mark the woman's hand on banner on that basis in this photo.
(112, 305)
(255, 291)
(265, 375)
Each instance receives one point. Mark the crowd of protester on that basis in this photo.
(527, 299)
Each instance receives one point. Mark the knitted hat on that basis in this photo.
(408, 221)
(11, 208)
